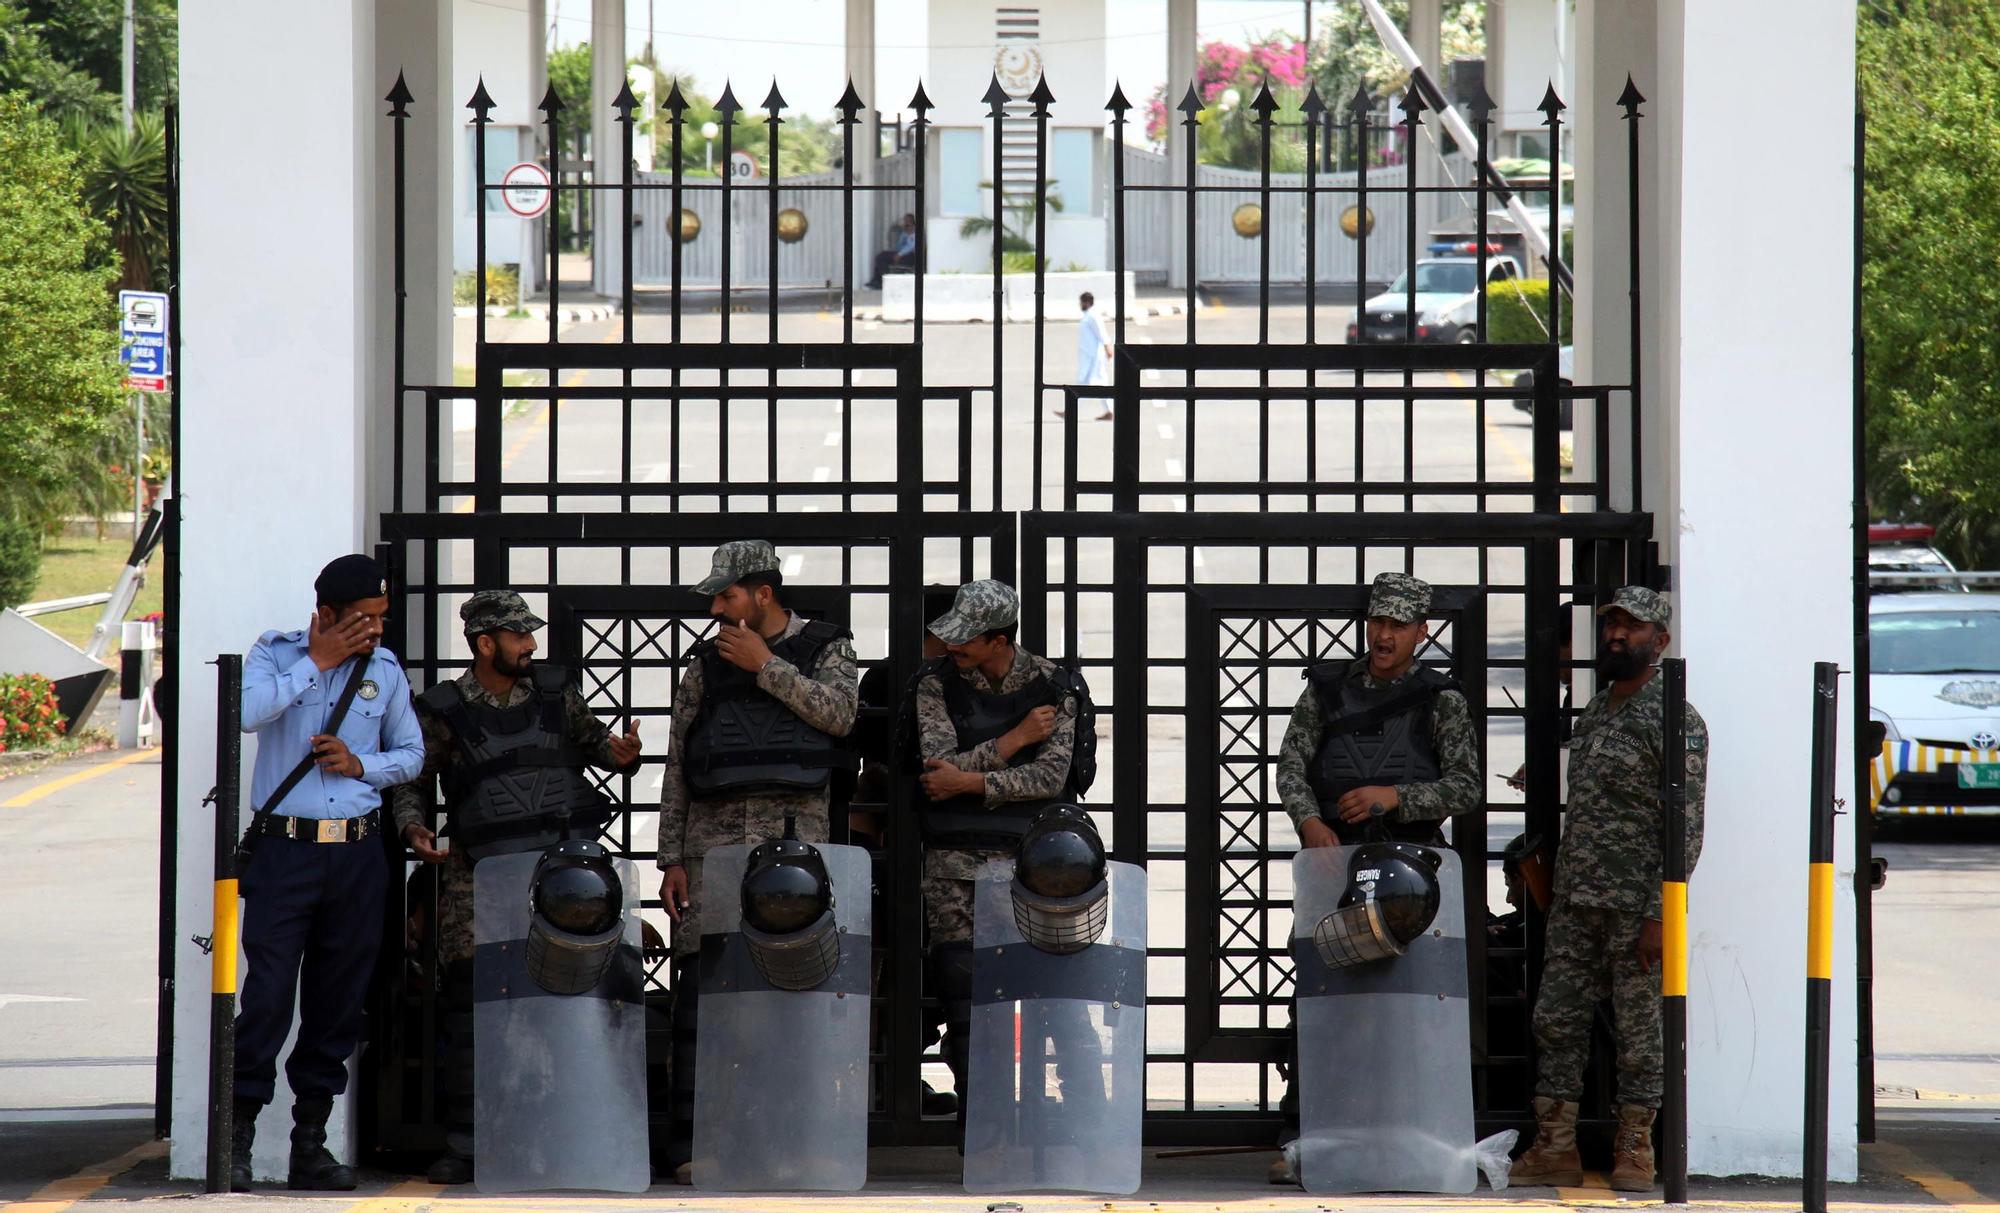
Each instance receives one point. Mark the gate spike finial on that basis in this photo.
(727, 105)
(1042, 97)
(1313, 107)
(676, 103)
(1190, 105)
(1552, 105)
(1631, 98)
(1264, 103)
(921, 103)
(1361, 105)
(625, 103)
(481, 104)
(552, 102)
(996, 98)
(1118, 104)
(774, 100)
(1412, 105)
(849, 105)
(399, 98)
(1482, 105)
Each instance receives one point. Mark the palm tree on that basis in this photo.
(125, 185)
(1018, 236)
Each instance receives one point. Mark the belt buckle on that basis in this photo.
(333, 829)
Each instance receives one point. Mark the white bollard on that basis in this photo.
(135, 687)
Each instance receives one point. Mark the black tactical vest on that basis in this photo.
(517, 779)
(743, 741)
(964, 822)
(1374, 737)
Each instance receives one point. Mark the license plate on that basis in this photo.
(1979, 774)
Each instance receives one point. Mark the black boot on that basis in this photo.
(313, 1167)
(680, 1099)
(242, 1133)
(951, 970)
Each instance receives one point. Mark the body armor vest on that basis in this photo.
(1371, 737)
(518, 783)
(964, 822)
(743, 741)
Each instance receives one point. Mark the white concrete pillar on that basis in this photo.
(607, 163)
(1182, 50)
(1427, 39)
(869, 223)
(278, 368)
(1749, 427)
(535, 272)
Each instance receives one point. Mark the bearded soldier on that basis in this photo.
(509, 739)
(1604, 934)
(757, 722)
(997, 732)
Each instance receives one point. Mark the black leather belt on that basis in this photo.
(313, 829)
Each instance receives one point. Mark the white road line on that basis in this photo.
(1198, 562)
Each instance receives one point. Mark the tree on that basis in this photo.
(1227, 78)
(89, 35)
(28, 66)
(1931, 91)
(125, 183)
(59, 375)
(1348, 54)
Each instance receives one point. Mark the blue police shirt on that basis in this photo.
(286, 702)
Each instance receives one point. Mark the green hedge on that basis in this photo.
(20, 562)
(1517, 313)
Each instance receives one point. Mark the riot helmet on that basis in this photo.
(788, 913)
(576, 916)
(1060, 896)
(1392, 896)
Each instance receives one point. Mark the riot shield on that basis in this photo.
(1385, 1048)
(781, 1075)
(559, 1080)
(1055, 1082)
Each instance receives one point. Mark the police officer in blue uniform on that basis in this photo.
(317, 872)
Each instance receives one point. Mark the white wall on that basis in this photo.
(276, 371)
(492, 40)
(1757, 433)
(961, 59)
(1529, 33)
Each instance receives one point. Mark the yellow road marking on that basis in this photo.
(70, 780)
(402, 1198)
(62, 1193)
(1508, 446)
(1924, 1174)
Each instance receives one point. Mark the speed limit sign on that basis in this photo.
(525, 189)
(742, 166)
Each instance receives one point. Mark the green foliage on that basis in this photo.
(805, 145)
(28, 715)
(1017, 227)
(503, 287)
(1517, 313)
(1930, 88)
(1348, 54)
(125, 183)
(68, 55)
(20, 562)
(60, 383)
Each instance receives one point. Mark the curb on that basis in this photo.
(568, 313)
(1140, 312)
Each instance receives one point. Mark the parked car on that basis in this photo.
(1447, 301)
(1934, 686)
(1566, 370)
(1903, 551)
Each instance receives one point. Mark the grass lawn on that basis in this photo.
(73, 565)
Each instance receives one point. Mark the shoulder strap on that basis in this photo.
(1420, 691)
(333, 723)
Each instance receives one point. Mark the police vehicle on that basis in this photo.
(1901, 557)
(1447, 298)
(1934, 686)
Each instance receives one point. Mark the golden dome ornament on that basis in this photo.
(690, 225)
(792, 225)
(1248, 220)
(1357, 222)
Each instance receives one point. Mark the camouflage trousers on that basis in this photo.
(1594, 953)
(454, 927)
(947, 890)
(687, 932)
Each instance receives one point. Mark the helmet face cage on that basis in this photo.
(801, 960)
(788, 921)
(1061, 925)
(559, 959)
(1354, 935)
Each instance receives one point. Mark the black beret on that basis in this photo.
(351, 579)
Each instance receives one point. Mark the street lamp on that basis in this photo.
(1230, 99)
(709, 131)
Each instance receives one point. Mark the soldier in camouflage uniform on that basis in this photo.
(1604, 928)
(500, 629)
(996, 729)
(769, 676)
(1403, 772)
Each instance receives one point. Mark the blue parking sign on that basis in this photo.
(142, 331)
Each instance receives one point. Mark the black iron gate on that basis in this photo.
(1216, 538)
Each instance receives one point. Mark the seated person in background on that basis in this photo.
(902, 253)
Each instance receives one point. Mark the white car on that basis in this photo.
(1447, 301)
(1934, 685)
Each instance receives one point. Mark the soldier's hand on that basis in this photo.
(1649, 944)
(625, 749)
(1035, 726)
(328, 647)
(1316, 833)
(942, 781)
(742, 647)
(423, 841)
(1363, 803)
(674, 891)
(334, 757)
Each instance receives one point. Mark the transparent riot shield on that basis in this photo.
(1056, 1077)
(781, 1076)
(559, 1081)
(1385, 1048)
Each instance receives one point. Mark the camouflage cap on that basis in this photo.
(497, 610)
(979, 608)
(734, 561)
(1400, 597)
(1642, 604)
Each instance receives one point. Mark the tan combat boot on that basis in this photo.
(1632, 1153)
(1552, 1160)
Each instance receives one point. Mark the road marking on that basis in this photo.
(1508, 446)
(1166, 432)
(1923, 1173)
(544, 413)
(62, 1193)
(403, 1197)
(832, 438)
(7, 1000)
(24, 799)
(793, 563)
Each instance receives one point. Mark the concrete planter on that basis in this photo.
(961, 298)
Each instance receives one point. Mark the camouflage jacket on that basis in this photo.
(826, 700)
(584, 731)
(1452, 734)
(1038, 779)
(1610, 854)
